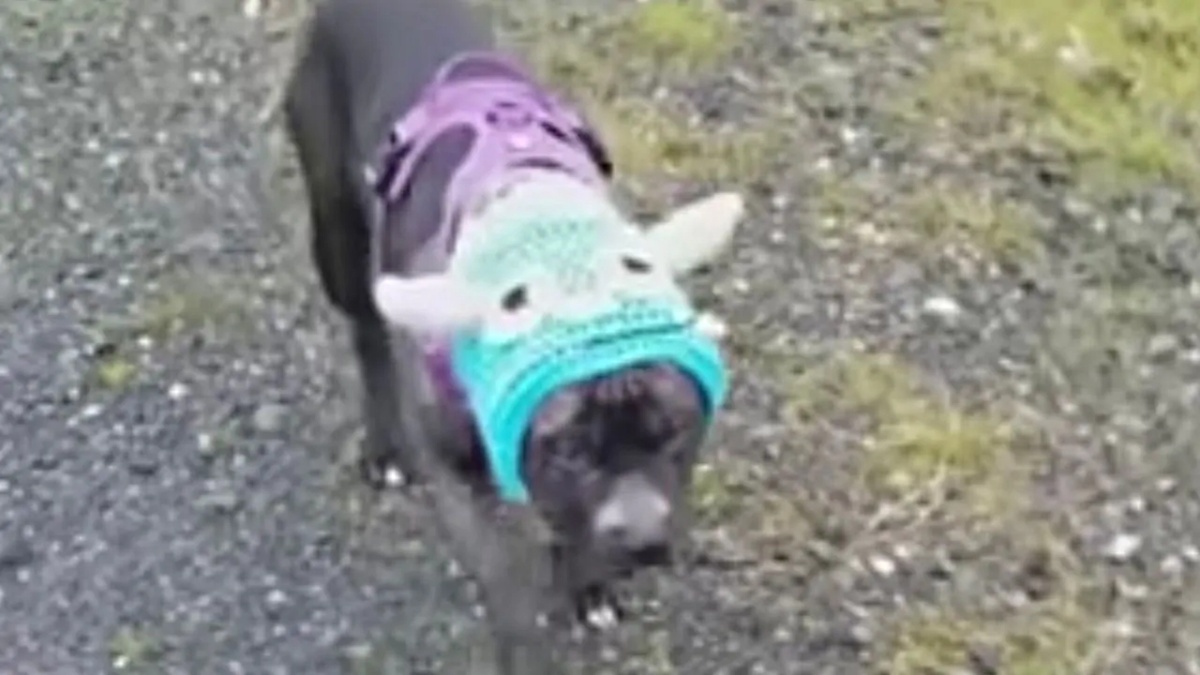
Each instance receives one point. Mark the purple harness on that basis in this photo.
(514, 124)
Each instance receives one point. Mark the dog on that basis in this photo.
(418, 140)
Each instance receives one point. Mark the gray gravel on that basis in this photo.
(184, 521)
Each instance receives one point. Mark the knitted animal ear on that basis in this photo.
(433, 304)
(695, 233)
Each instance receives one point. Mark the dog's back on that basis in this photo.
(386, 51)
(362, 65)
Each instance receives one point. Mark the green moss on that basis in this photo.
(1114, 82)
(999, 230)
(180, 306)
(934, 219)
(714, 494)
(654, 654)
(115, 372)
(647, 142)
(179, 310)
(686, 35)
(603, 57)
(915, 437)
(1052, 638)
(132, 649)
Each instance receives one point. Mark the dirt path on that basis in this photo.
(967, 345)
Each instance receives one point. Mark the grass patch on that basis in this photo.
(914, 437)
(114, 372)
(132, 649)
(715, 497)
(683, 35)
(1114, 82)
(653, 655)
(180, 307)
(947, 217)
(935, 219)
(1055, 637)
(598, 61)
(648, 142)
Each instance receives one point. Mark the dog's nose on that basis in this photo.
(635, 519)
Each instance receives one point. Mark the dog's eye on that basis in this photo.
(516, 299)
(635, 265)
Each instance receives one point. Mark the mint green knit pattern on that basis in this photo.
(585, 313)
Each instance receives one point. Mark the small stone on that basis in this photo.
(942, 568)
(219, 501)
(712, 325)
(143, 464)
(276, 599)
(942, 307)
(205, 443)
(985, 659)
(16, 554)
(394, 477)
(1122, 547)
(1171, 566)
(1191, 554)
(1162, 346)
(177, 391)
(269, 418)
(358, 653)
(861, 634)
(882, 565)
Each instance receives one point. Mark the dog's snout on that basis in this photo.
(635, 519)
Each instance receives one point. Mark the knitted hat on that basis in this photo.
(553, 286)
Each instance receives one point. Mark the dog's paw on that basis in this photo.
(599, 609)
(602, 617)
(382, 474)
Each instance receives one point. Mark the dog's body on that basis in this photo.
(364, 65)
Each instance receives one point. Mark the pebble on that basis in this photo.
(269, 418)
(882, 565)
(1191, 554)
(1162, 346)
(276, 599)
(1123, 547)
(219, 501)
(16, 553)
(942, 306)
(358, 652)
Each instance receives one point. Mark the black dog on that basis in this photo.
(607, 461)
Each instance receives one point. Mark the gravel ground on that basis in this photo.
(179, 416)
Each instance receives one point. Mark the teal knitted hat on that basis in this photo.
(553, 286)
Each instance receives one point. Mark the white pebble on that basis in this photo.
(1123, 547)
(942, 306)
(882, 565)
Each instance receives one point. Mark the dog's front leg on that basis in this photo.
(512, 569)
(590, 602)
(387, 456)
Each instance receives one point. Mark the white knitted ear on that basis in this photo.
(432, 304)
(696, 233)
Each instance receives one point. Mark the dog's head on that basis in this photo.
(609, 460)
(606, 459)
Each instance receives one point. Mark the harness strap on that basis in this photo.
(513, 123)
